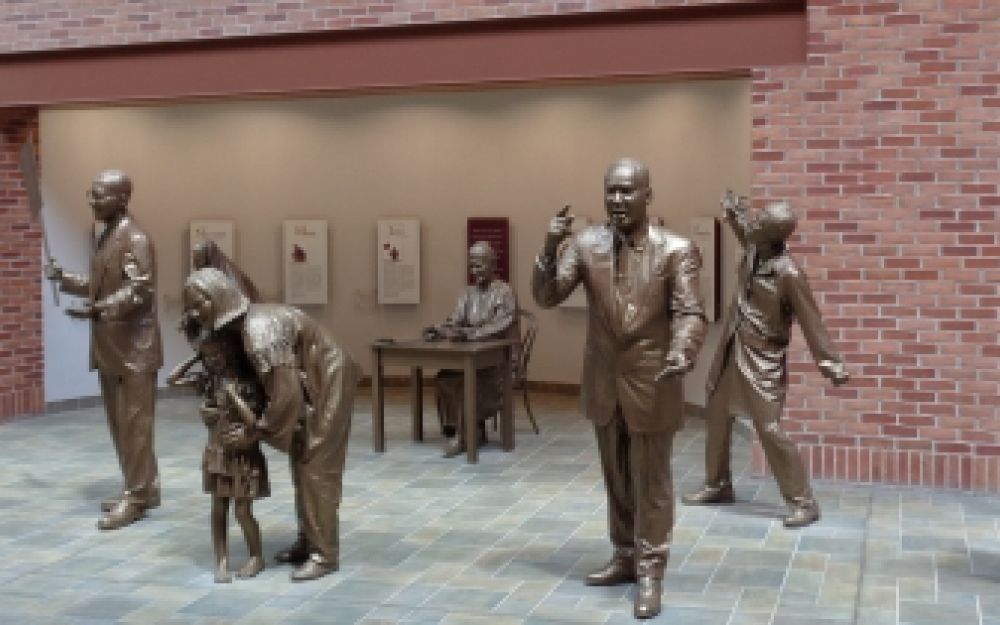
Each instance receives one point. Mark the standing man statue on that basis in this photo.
(125, 344)
(308, 383)
(485, 310)
(749, 375)
(645, 327)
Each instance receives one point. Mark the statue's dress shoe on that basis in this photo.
(251, 568)
(802, 515)
(455, 448)
(296, 553)
(647, 597)
(710, 494)
(313, 568)
(121, 514)
(617, 571)
(110, 502)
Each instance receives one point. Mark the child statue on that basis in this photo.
(232, 396)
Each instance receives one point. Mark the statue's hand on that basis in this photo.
(731, 204)
(231, 391)
(83, 311)
(835, 371)
(53, 271)
(432, 333)
(209, 415)
(675, 365)
(559, 228)
(237, 437)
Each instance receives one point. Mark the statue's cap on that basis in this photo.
(228, 302)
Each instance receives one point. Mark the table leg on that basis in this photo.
(417, 402)
(469, 404)
(378, 403)
(507, 410)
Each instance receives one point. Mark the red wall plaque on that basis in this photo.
(496, 232)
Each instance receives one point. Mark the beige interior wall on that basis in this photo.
(438, 156)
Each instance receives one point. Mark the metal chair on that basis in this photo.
(528, 328)
(522, 354)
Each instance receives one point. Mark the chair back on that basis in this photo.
(522, 352)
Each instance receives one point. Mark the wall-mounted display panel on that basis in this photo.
(705, 233)
(222, 232)
(398, 261)
(305, 261)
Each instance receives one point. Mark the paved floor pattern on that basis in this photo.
(505, 542)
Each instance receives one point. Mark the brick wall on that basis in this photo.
(887, 141)
(43, 25)
(21, 357)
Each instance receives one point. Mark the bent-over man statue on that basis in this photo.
(749, 374)
(125, 346)
(645, 327)
(309, 383)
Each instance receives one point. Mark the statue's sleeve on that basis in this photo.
(554, 278)
(502, 312)
(136, 291)
(737, 220)
(457, 317)
(267, 343)
(75, 284)
(800, 298)
(685, 303)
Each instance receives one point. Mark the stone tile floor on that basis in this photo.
(505, 542)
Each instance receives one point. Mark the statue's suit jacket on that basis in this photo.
(122, 281)
(644, 303)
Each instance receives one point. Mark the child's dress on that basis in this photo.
(238, 474)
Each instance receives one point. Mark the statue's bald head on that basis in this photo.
(115, 181)
(778, 221)
(631, 168)
(482, 262)
(627, 194)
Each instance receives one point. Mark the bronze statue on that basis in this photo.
(207, 254)
(646, 324)
(233, 397)
(125, 344)
(308, 383)
(749, 373)
(485, 310)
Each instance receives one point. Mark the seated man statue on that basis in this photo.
(486, 310)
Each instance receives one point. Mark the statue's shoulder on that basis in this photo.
(501, 286)
(131, 230)
(594, 235)
(268, 334)
(669, 240)
(786, 265)
(264, 322)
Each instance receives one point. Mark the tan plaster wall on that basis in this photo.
(441, 157)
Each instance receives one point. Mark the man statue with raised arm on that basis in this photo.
(749, 375)
(646, 324)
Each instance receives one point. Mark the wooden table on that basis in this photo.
(467, 357)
